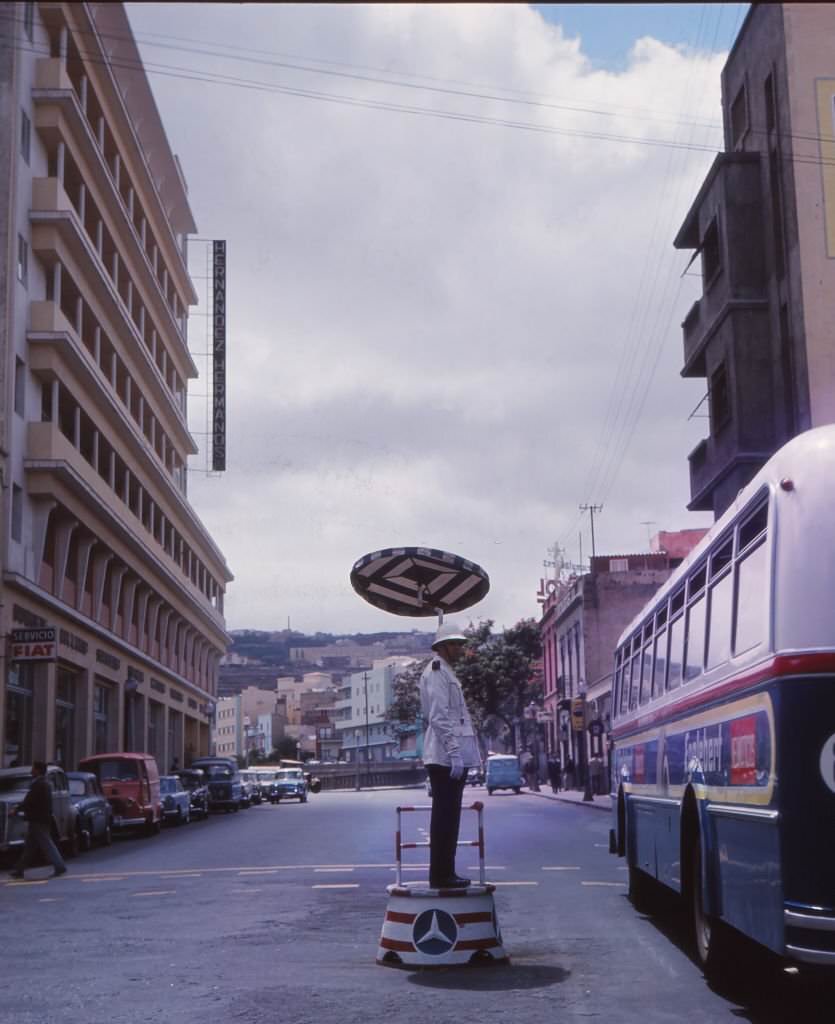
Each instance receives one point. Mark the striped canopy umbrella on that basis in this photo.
(419, 581)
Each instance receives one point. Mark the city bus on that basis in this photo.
(723, 731)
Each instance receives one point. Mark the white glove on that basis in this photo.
(456, 766)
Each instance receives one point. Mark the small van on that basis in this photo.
(503, 772)
(224, 778)
(131, 784)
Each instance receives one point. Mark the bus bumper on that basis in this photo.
(810, 938)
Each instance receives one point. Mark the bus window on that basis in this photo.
(660, 663)
(719, 622)
(624, 687)
(752, 527)
(695, 638)
(676, 651)
(751, 598)
(635, 682)
(646, 675)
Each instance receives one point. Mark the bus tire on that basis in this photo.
(711, 936)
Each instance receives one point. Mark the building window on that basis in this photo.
(720, 399)
(770, 105)
(739, 118)
(17, 513)
(25, 136)
(29, 20)
(711, 260)
(19, 386)
(22, 260)
(65, 718)
(17, 747)
(101, 718)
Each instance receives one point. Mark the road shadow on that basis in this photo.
(491, 978)
(757, 982)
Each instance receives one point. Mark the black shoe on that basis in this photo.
(15, 874)
(58, 872)
(454, 882)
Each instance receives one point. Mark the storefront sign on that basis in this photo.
(73, 641)
(33, 644)
(110, 660)
(578, 714)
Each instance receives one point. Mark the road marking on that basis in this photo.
(247, 891)
(181, 874)
(616, 884)
(248, 872)
(108, 878)
(331, 870)
(155, 892)
(240, 868)
(559, 868)
(18, 883)
(337, 885)
(50, 899)
(602, 846)
(513, 883)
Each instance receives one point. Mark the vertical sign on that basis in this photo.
(219, 356)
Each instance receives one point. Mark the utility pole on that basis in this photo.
(365, 688)
(648, 523)
(591, 509)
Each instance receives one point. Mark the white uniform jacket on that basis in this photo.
(448, 728)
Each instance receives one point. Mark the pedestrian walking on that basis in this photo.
(569, 773)
(449, 749)
(554, 773)
(36, 808)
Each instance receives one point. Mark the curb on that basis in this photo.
(569, 800)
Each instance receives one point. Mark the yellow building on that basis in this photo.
(113, 590)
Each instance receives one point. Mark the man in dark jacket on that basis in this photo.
(37, 810)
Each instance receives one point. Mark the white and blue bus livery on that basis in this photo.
(723, 758)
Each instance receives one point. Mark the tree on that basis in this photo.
(404, 709)
(497, 674)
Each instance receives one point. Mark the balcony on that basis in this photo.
(719, 467)
(56, 469)
(725, 226)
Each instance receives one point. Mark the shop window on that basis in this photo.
(17, 742)
(65, 697)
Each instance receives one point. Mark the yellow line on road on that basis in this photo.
(337, 885)
(155, 892)
(616, 884)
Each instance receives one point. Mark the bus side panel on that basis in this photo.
(669, 847)
(745, 866)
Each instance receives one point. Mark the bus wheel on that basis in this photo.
(710, 934)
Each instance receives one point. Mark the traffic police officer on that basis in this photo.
(449, 749)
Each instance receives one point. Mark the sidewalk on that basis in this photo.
(572, 796)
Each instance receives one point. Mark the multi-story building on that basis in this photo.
(582, 620)
(112, 588)
(763, 223)
(360, 712)
(228, 728)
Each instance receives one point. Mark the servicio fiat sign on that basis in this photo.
(33, 644)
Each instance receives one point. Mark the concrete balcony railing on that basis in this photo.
(51, 73)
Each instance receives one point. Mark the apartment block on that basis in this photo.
(112, 587)
(763, 226)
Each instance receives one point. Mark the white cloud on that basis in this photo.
(431, 320)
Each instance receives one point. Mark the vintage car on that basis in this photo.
(266, 783)
(14, 784)
(131, 784)
(503, 772)
(290, 783)
(194, 780)
(224, 782)
(176, 801)
(251, 786)
(95, 815)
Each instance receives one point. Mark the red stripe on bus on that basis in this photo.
(401, 947)
(394, 915)
(475, 918)
(780, 666)
(476, 944)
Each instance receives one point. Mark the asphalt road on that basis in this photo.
(274, 915)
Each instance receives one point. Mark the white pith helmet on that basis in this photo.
(449, 631)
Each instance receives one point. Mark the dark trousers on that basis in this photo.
(38, 840)
(447, 795)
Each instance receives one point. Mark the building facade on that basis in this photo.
(763, 224)
(581, 622)
(361, 709)
(113, 590)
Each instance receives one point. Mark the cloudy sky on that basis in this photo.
(454, 305)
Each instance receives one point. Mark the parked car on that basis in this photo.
(14, 785)
(503, 772)
(290, 783)
(131, 784)
(224, 782)
(267, 784)
(95, 815)
(249, 787)
(475, 777)
(194, 780)
(176, 802)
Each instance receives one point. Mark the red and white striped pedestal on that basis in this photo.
(427, 927)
